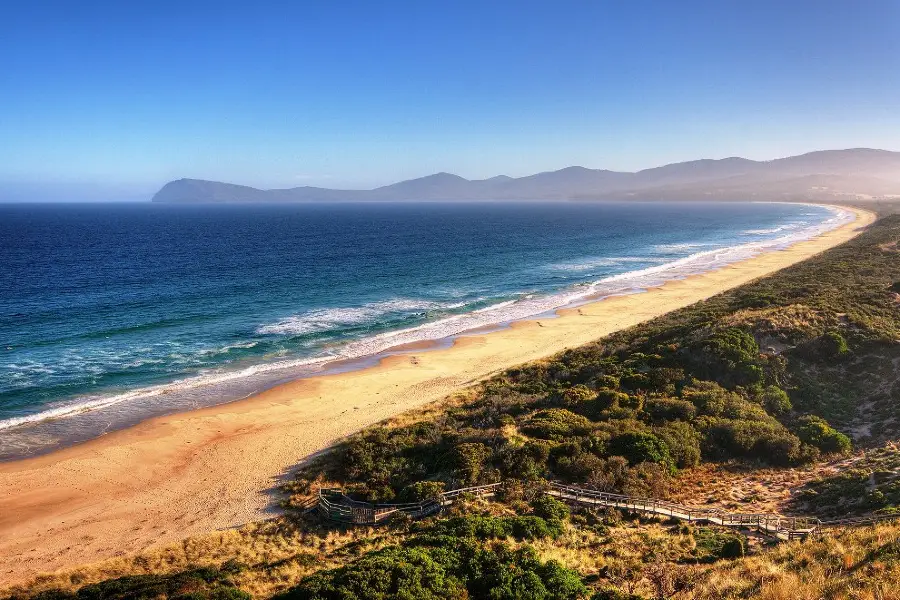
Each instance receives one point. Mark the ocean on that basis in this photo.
(112, 313)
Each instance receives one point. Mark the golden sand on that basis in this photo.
(185, 474)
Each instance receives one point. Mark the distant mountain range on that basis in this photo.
(859, 173)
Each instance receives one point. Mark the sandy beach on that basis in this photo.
(180, 475)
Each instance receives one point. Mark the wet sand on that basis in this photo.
(185, 474)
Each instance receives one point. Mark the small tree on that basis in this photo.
(642, 447)
(816, 431)
(775, 400)
(548, 507)
(833, 344)
(468, 461)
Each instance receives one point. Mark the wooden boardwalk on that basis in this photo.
(772, 525)
(334, 505)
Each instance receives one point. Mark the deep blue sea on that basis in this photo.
(110, 313)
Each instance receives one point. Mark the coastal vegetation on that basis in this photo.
(786, 374)
(782, 372)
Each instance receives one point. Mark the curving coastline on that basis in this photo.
(183, 474)
(97, 410)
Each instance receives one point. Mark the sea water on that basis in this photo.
(111, 313)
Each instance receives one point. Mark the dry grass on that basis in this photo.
(741, 488)
(860, 564)
(278, 553)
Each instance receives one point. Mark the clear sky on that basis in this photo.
(127, 95)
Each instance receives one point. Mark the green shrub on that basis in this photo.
(548, 507)
(384, 460)
(578, 395)
(762, 440)
(683, 442)
(408, 573)
(608, 381)
(729, 357)
(816, 431)
(579, 467)
(422, 490)
(468, 461)
(641, 447)
(610, 398)
(713, 544)
(833, 344)
(661, 410)
(450, 569)
(649, 480)
(733, 548)
(473, 526)
(709, 397)
(556, 424)
(528, 461)
(485, 527)
(775, 400)
(530, 527)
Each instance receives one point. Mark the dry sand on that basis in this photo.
(180, 475)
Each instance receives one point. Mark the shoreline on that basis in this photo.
(82, 419)
(178, 475)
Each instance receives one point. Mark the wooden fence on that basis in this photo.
(772, 525)
(333, 504)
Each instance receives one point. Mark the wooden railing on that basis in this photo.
(333, 504)
(777, 526)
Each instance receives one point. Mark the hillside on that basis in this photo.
(792, 378)
(828, 175)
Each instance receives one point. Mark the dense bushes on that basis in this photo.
(556, 424)
(642, 447)
(683, 441)
(730, 356)
(548, 507)
(482, 527)
(455, 568)
(721, 380)
(468, 462)
(661, 410)
(817, 432)
(775, 400)
(766, 441)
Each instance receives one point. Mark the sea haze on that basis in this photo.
(113, 313)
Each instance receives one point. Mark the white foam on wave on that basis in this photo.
(772, 230)
(589, 264)
(681, 247)
(324, 319)
(527, 306)
(497, 306)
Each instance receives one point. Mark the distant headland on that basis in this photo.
(829, 175)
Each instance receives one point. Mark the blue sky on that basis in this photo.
(124, 96)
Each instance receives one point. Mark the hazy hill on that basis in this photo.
(857, 173)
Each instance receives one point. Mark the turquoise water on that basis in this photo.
(110, 313)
